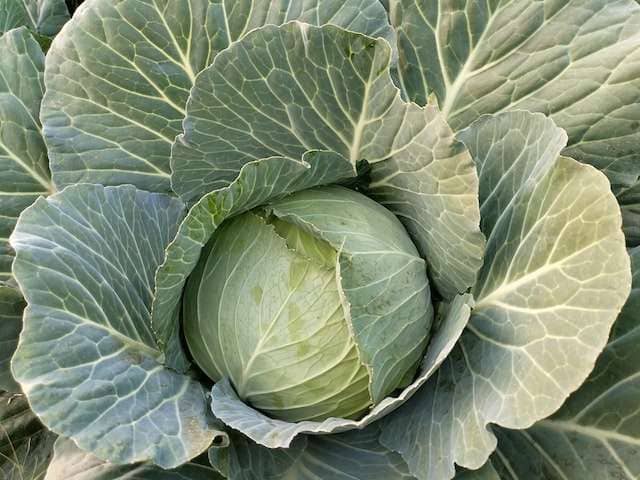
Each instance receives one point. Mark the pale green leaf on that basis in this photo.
(257, 183)
(353, 455)
(119, 75)
(596, 433)
(87, 357)
(383, 278)
(281, 91)
(45, 17)
(71, 463)
(556, 276)
(577, 61)
(25, 445)
(277, 434)
(293, 356)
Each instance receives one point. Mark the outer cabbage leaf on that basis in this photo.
(353, 455)
(281, 91)
(257, 183)
(119, 75)
(71, 463)
(11, 306)
(596, 433)
(25, 445)
(44, 17)
(87, 357)
(432, 187)
(278, 434)
(556, 276)
(629, 200)
(577, 61)
(23, 155)
(486, 472)
(23, 163)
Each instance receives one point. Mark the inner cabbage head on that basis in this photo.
(265, 308)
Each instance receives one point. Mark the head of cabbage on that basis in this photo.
(335, 239)
(267, 307)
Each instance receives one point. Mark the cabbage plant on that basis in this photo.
(320, 239)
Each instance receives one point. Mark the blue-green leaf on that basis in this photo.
(353, 455)
(44, 17)
(119, 75)
(577, 61)
(87, 357)
(555, 278)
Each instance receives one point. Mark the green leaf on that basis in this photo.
(596, 433)
(87, 357)
(510, 150)
(486, 472)
(119, 75)
(25, 445)
(556, 276)
(432, 187)
(71, 463)
(257, 183)
(22, 69)
(281, 91)
(353, 455)
(629, 200)
(11, 306)
(45, 17)
(278, 434)
(577, 61)
(23, 155)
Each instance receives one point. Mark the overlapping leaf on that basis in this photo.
(284, 90)
(554, 281)
(119, 76)
(23, 155)
(71, 463)
(44, 17)
(353, 455)
(87, 357)
(577, 61)
(596, 433)
(23, 163)
(432, 187)
(278, 434)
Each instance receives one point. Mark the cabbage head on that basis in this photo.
(320, 239)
